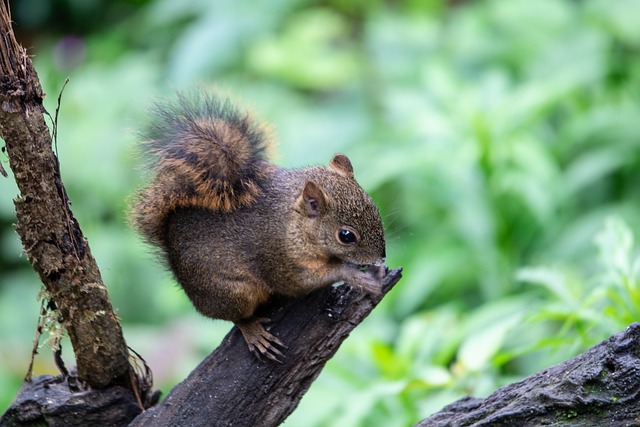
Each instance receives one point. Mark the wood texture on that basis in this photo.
(56, 401)
(598, 388)
(232, 387)
(51, 236)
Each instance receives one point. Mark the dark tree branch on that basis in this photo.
(598, 388)
(50, 235)
(54, 401)
(232, 387)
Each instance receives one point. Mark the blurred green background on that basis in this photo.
(501, 140)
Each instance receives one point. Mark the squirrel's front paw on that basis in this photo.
(370, 278)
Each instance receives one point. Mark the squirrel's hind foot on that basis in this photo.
(260, 342)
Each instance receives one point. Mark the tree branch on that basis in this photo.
(598, 388)
(53, 401)
(50, 235)
(232, 387)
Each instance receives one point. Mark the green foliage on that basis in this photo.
(590, 307)
(499, 138)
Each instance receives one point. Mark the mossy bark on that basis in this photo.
(51, 236)
(598, 388)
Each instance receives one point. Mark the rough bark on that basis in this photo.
(51, 236)
(598, 388)
(56, 401)
(232, 387)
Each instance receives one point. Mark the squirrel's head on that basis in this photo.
(340, 218)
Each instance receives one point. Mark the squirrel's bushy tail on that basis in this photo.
(204, 153)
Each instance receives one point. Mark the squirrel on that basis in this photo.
(236, 229)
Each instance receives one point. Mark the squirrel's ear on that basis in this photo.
(342, 165)
(313, 199)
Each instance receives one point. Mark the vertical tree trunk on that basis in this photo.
(51, 236)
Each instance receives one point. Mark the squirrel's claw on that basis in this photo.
(260, 342)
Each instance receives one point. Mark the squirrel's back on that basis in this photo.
(204, 153)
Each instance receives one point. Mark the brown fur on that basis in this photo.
(208, 155)
(236, 229)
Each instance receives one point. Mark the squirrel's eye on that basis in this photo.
(347, 236)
